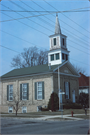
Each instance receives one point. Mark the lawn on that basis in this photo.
(36, 114)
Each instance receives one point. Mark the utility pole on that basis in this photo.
(59, 86)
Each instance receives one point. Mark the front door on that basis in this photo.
(73, 96)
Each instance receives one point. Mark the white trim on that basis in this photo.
(39, 90)
(10, 92)
(22, 91)
(66, 74)
(71, 67)
(60, 65)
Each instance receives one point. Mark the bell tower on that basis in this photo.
(58, 48)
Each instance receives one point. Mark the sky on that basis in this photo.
(35, 31)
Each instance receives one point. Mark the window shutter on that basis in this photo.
(27, 91)
(69, 91)
(42, 90)
(64, 90)
(35, 91)
(7, 92)
(20, 91)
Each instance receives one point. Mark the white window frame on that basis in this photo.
(10, 109)
(67, 89)
(10, 93)
(24, 108)
(39, 91)
(24, 91)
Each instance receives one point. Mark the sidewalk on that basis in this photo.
(60, 116)
(52, 118)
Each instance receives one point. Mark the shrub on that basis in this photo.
(53, 103)
(72, 106)
(44, 109)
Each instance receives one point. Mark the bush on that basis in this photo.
(72, 106)
(44, 109)
(84, 99)
(53, 103)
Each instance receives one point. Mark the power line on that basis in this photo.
(27, 25)
(20, 54)
(21, 38)
(24, 17)
(54, 22)
(19, 21)
(45, 11)
(28, 18)
(69, 18)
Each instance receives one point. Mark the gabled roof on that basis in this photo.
(83, 80)
(30, 71)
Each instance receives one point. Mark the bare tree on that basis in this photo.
(80, 69)
(30, 57)
(16, 103)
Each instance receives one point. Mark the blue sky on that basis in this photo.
(75, 25)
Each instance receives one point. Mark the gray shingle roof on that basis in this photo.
(29, 71)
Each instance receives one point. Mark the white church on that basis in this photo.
(35, 84)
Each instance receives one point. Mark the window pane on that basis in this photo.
(39, 88)
(11, 98)
(25, 86)
(39, 96)
(24, 97)
(52, 57)
(54, 41)
(63, 40)
(39, 84)
(24, 91)
(24, 109)
(63, 56)
(57, 56)
(11, 87)
(11, 94)
(66, 57)
(39, 92)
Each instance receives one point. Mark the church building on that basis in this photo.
(34, 85)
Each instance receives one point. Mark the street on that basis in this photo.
(26, 126)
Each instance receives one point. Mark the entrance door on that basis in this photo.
(73, 96)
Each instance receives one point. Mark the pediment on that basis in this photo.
(68, 69)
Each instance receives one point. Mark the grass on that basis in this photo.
(82, 116)
(38, 114)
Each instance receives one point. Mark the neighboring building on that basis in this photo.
(83, 84)
(35, 84)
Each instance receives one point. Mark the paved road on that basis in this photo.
(26, 126)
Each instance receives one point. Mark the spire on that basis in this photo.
(57, 26)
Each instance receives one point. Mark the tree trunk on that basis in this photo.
(16, 113)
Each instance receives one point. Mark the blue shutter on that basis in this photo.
(64, 90)
(69, 91)
(27, 91)
(42, 90)
(20, 91)
(7, 92)
(35, 90)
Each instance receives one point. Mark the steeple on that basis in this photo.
(57, 26)
(58, 47)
